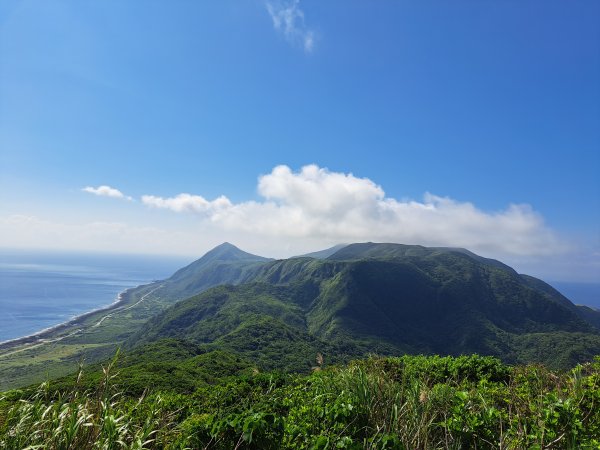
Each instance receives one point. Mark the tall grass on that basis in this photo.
(84, 419)
(395, 406)
(391, 403)
(410, 411)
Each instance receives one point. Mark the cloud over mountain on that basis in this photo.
(319, 204)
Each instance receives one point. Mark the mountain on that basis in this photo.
(590, 315)
(261, 321)
(385, 298)
(224, 264)
(383, 251)
(363, 298)
(322, 254)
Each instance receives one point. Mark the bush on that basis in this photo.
(412, 402)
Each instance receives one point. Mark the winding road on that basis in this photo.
(80, 330)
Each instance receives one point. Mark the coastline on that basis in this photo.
(40, 336)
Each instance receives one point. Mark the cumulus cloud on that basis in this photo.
(288, 19)
(106, 191)
(315, 203)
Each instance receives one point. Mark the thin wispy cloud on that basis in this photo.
(316, 203)
(288, 19)
(106, 191)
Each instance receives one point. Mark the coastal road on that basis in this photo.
(42, 341)
(121, 309)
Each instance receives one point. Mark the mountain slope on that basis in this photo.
(388, 251)
(590, 315)
(259, 320)
(225, 264)
(322, 254)
(385, 298)
(440, 303)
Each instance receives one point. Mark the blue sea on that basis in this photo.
(580, 293)
(39, 290)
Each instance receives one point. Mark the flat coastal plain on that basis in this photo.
(85, 339)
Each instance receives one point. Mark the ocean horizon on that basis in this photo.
(42, 289)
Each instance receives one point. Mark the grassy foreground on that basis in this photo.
(410, 402)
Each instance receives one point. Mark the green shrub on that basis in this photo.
(412, 402)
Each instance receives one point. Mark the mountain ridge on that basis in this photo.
(391, 298)
(224, 264)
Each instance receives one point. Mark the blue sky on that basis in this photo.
(445, 113)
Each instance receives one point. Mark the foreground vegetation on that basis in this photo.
(410, 402)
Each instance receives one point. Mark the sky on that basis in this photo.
(289, 126)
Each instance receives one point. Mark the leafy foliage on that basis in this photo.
(414, 402)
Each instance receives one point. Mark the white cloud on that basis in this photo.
(308, 210)
(106, 191)
(326, 206)
(288, 19)
(187, 202)
(185, 237)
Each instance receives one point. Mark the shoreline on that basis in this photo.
(42, 335)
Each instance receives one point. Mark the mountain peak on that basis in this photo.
(208, 265)
(229, 252)
(226, 245)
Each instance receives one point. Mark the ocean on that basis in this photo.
(39, 290)
(580, 293)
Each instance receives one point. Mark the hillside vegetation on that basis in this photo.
(409, 402)
(378, 298)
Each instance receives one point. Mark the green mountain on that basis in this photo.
(322, 254)
(590, 315)
(261, 321)
(225, 264)
(364, 298)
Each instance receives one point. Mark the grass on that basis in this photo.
(83, 420)
(379, 403)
